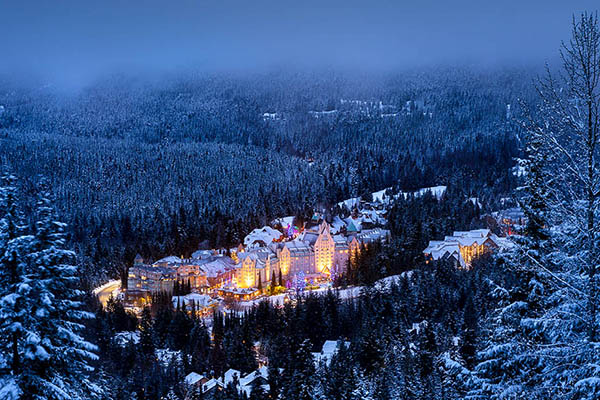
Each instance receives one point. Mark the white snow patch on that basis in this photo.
(123, 338)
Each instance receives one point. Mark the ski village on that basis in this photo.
(280, 263)
(295, 201)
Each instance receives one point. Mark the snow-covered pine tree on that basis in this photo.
(171, 395)
(299, 375)
(509, 364)
(15, 302)
(58, 355)
(544, 340)
(363, 389)
(571, 112)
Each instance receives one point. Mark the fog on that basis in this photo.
(74, 41)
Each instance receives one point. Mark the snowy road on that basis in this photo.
(104, 291)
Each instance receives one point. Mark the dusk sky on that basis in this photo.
(76, 40)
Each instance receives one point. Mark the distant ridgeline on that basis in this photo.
(161, 168)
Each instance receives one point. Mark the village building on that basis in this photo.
(511, 220)
(465, 246)
(194, 380)
(237, 294)
(261, 237)
(150, 278)
(202, 274)
(256, 266)
(317, 253)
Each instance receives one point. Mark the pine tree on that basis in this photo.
(363, 389)
(280, 278)
(273, 281)
(509, 360)
(540, 340)
(171, 395)
(15, 287)
(299, 374)
(147, 334)
(58, 357)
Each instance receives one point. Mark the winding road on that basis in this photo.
(103, 292)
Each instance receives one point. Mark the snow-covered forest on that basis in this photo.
(158, 168)
(129, 165)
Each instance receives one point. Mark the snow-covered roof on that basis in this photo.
(199, 300)
(245, 383)
(192, 378)
(283, 221)
(211, 267)
(337, 225)
(264, 236)
(309, 237)
(450, 246)
(381, 197)
(329, 349)
(296, 246)
(217, 266)
(262, 372)
(169, 260)
(208, 385)
(371, 235)
(122, 338)
(200, 254)
(259, 256)
(229, 376)
(350, 203)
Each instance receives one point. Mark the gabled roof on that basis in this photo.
(192, 378)
(451, 245)
(229, 375)
(351, 227)
(210, 384)
(262, 372)
(264, 235)
(169, 260)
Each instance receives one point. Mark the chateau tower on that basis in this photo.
(324, 250)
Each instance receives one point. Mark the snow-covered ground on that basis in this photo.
(351, 292)
(381, 196)
(436, 191)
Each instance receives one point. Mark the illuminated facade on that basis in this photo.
(296, 256)
(256, 266)
(202, 273)
(319, 252)
(315, 253)
(324, 248)
(151, 279)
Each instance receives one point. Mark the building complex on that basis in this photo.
(465, 246)
(314, 253)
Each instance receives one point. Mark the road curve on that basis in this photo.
(103, 292)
